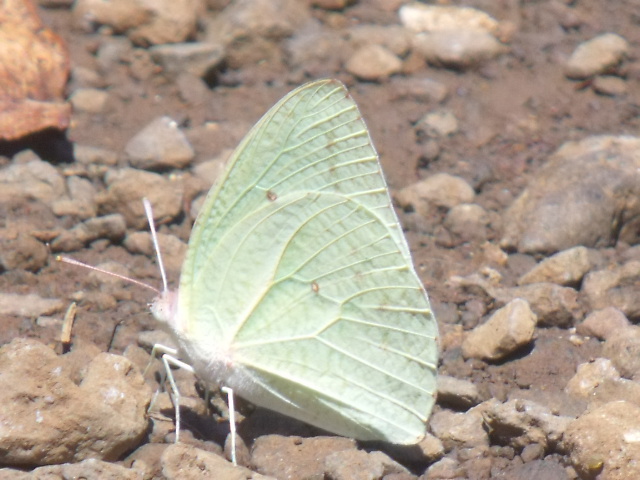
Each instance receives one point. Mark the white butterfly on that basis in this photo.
(298, 290)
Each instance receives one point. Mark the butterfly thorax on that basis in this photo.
(212, 364)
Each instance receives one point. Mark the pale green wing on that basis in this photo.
(312, 139)
(298, 277)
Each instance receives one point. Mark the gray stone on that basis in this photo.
(420, 89)
(192, 89)
(113, 50)
(458, 49)
(80, 202)
(393, 38)
(127, 187)
(172, 248)
(603, 323)
(595, 56)
(20, 250)
(89, 155)
(30, 305)
(616, 287)
(157, 22)
(420, 17)
(440, 123)
(583, 195)
(198, 59)
(317, 51)
(439, 190)
(158, 146)
(112, 227)
(83, 77)
(610, 86)
(33, 180)
(89, 100)
(467, 222)
(252, 29)
(458, 393)
(431, 448)
(623, 348)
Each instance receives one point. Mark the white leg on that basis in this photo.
(159, 349)
(155, 351)
(232, 422)
(168, 359)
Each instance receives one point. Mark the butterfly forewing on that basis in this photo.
(298, 270)
(313, 139)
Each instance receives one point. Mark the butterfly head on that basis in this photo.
(164, 307)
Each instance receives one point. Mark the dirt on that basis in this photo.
(513, 112)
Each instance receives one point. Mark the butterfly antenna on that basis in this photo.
(71, 261)
(156, 245)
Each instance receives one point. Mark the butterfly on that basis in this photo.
(298, 289)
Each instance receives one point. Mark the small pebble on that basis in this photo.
(160, 145)
(508, 329)
(596, 56)
(373, 62)
(89, 100)
(610, 86)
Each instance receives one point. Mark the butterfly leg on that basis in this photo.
(156, 352)
(169, 358)
(167, 361)
(232, 422)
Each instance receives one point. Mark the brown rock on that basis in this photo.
(586, 194)
(145, 23)
(623, 348)
(90, 468)
(554, 305)
(34, 67)
(128, 186)
(295, 457)
(603, 323)
(48, 419)
(602, 441)
(598, 55)
(508, 329)
(373, 62)
(564, 268)
(615, 287)
(183, 462)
